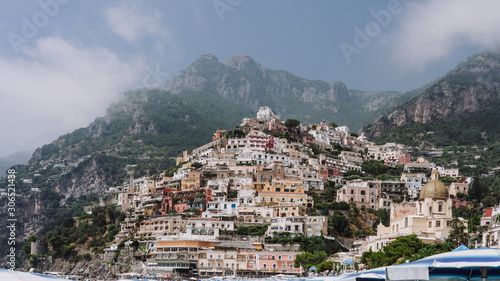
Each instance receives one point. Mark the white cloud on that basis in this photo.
(57, 87)
(431, 30)
(130, 21)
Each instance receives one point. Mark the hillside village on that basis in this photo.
(225, 206)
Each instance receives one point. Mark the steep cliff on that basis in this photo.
(472, 86)
(241, 80)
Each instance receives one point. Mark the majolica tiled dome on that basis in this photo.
(435, 188)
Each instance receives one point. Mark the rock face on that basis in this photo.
(97, 266)
(241, 80)
(470, 87)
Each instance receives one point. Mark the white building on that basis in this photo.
(266, 114)
(413, 183)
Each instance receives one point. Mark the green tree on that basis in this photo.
(398, 251)
(196, 165)
(458, 233)
(374, 167)
(60, 246)
(292, 126)
(340, 224)
(384, 216)
(324, 266)
(373, 259)
(478, 190)
(489, 201)
(401, 249)
(292, 123)
(307, 259)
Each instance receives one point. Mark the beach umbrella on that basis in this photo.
(25, 276)
(472, 264)
(371, 276)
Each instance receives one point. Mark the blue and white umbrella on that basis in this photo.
(455, 265)
(25, 276)
(473, 264)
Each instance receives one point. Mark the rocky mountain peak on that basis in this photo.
(241, 62)
(208, 57)
(472, 86)
(340, 90)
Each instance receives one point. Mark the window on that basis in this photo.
(438, 223)
(440, 207)
(430, 224)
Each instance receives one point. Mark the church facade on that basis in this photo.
(429, 218)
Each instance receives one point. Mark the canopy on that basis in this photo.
(313, 268)
(461, 248)
(370, 276)
(462, 264)
(25, 276)
(451, 266)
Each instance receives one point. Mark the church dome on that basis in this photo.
(435, 188)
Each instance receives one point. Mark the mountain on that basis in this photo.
(241, 80)
(140, 134)
(464, 99)
(143, 127)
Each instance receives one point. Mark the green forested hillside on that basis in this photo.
(477, 128)
(145, 127)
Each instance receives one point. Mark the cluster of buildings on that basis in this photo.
(258, 176)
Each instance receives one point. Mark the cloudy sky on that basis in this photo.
(63, 61)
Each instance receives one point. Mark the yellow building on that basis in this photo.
(266, 197)
(191, 181)
(284, 185)
(288, 210)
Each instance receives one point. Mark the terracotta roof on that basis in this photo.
(488, 212)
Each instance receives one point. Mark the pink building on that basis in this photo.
(276, 262)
